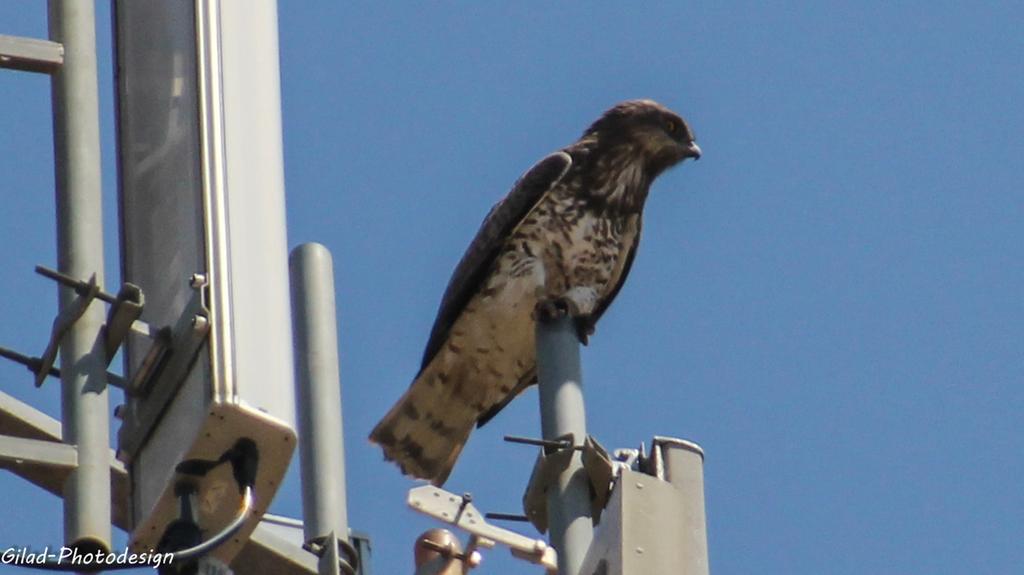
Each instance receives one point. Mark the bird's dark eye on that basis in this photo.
(671, 126)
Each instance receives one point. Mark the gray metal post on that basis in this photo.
(321, 445)
(684, 469)
(84, 404)
(561, 414)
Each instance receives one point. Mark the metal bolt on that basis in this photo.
(434, 543)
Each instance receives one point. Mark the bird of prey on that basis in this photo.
(561, 242)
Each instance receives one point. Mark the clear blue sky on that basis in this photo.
(830, 301)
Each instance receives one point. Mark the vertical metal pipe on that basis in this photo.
(76, 137)
(562, 414)
(321, 445)
(684, 469)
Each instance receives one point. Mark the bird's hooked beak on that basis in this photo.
(693, 151)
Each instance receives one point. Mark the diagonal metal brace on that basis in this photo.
(458, 511)
(30, 54)
(62, 323)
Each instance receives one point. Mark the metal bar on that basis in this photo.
(321, 444)
(22, 420)
(30, 54)
(684, 469)
(507, 517)
(84, 403)
(550, 444)
(52, 454)
(562, 416)
(19, 419)
(81, 287)
(34, 364)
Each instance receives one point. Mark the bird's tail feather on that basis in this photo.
(425, 430)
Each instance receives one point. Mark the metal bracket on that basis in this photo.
(596, 462)
(344, 553)
(159, 348)
(122, 315)
(457, 510)
(161, 373)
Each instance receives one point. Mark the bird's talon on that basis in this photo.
(584, 328)
(553, 308)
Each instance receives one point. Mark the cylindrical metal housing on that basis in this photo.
(321, 445)
(684, 469)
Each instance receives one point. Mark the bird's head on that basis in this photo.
(661, 135)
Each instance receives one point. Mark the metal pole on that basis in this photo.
(321, 444)
(561, 415)
(684, 469)
(84, 405)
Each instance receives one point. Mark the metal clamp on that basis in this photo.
(123, 317)
(597, 463)
(345, 553)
